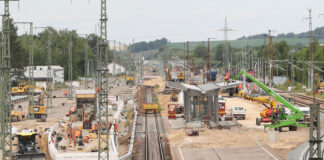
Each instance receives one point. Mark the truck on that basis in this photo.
(278, 117)
(213, 75)
(238, 112)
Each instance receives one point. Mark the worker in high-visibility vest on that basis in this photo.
(65, 93)
(22, 114)
(86, 139)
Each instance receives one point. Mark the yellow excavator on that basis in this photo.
(181, 76)
(39, 110)
(20, 90)
(130, 79)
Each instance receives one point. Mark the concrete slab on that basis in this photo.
(245, 153)
(177, 123)
(198, 154)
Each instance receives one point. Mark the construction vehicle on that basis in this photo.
(181, 76)
(222, 106)
(172, 112)
(238, 112)
(174, 97)
(130, 79)
(17, 115)
(86, 107)
(265, 115)
(20, 90)
(213, 75)
(39, 110)
(278, 117)
(27, 146)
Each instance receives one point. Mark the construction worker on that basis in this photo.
(86, 139)
(94, 128)
(65, 93)
(73, 110)
(22, 114)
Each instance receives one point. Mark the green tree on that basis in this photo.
(200, 52)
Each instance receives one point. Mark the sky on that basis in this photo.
(176, 20)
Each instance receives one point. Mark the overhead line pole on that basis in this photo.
(70, 77)
(49, 79)
(315, 152)
(208, 60)
(103, 132)
(5, 87)
(30, 68)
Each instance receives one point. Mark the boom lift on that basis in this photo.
(279, 118)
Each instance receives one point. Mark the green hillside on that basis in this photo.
(240, 43)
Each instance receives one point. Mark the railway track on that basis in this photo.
(306, 154)
(303, 99)
(153, 143)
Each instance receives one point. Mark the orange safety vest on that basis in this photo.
(77, 133)
(86, 139)
(23, 112)
(72, 109)
(65, 92)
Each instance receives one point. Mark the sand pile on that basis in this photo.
(156, 81)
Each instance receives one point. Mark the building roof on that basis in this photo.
(85, 91)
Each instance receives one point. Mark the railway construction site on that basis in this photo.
(69, 95)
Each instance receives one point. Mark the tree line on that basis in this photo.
(59, 50)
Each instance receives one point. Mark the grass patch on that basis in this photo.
(156, 100)
(59, 86)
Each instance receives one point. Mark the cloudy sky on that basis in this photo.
(177, 20)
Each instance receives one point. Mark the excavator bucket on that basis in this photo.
(32, 156)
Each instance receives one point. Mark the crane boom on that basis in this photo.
(286, 120)
(269, 91)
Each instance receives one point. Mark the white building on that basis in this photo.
(40, 74)
(119, 69)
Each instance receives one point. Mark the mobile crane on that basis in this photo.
(278, 117)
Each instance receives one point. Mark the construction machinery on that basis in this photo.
(17, 115)
(265, 115)
(130, 79)
(86, 107)
(278, 117)
(181, 76)
(174, 97)
(39, 110)
(27, 146)
(20, 90)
